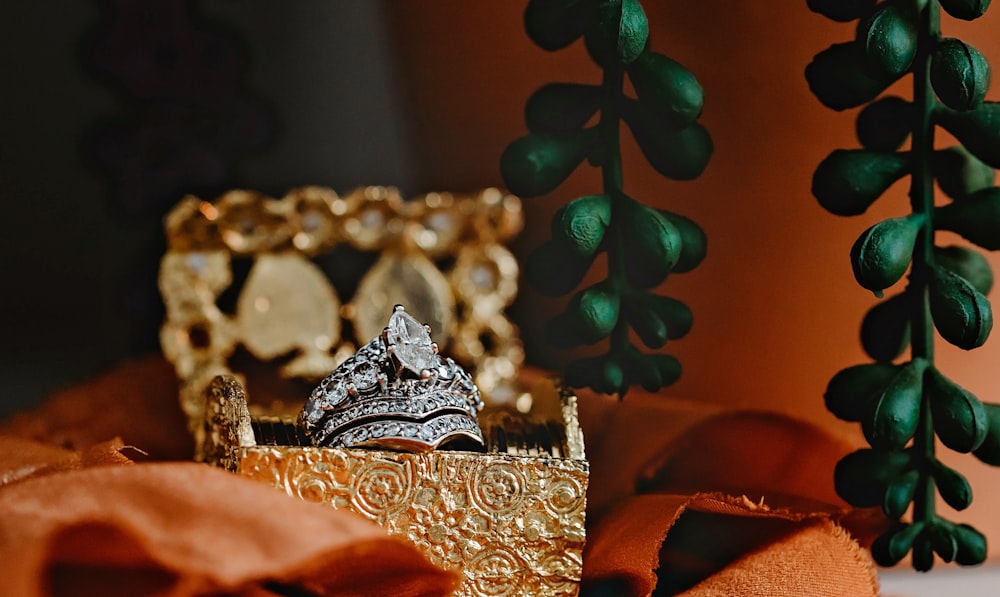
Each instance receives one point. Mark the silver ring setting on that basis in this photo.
(397, 393)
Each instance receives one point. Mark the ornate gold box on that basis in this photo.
(252, 284)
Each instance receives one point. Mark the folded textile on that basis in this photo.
(684, 498)
(188, 529)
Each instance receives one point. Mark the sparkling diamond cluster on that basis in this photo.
(396, 387)
(430, 432)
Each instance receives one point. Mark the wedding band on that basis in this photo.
(396, 393)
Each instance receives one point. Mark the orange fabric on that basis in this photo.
(188, 529)
(21, 459)
(676, 508)
(682, 496)
(136, 401)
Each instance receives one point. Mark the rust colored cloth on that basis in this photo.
(715, 503)
(707, 503)
(185, 529)
(136, 401)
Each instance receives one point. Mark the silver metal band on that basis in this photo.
(395, 392)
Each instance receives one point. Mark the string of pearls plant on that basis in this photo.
(902, 401)
(643, 244)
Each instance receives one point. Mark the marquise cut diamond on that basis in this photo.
(410, 341)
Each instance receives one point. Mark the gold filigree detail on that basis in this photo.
(511, 525)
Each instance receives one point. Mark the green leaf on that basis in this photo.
(971, 545)
(554, 24)
(960, 75)
(966, 263)
(841, 10)
(644, 369)
(601, 373)
(539, 162)
(613, 378)
(882, 254)
(978, 130)
(647, 323)
(676, 315)
(619, 34)
(923, 552)
(889, 37)
(989, 451)
(666, 89)
(885, 329)
(840, 77)
(694, 242)
(676, 154)
(554, 269)
(899, 494)
(884, 124)
(900, 539)
(862, 477)
(943, 541)
(848, 181)
(959, 173)
(581, 223)
(596, 310)
(880, 547)
(959, 417)
(561, 107)
(652, 245)
(966, 10)
(656, 319)
(976, 219)
(952, 485)
(633, 31)
(962, 315)
(892, 421)
(851, 390)
(668, 366)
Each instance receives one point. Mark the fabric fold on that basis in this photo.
(707, 495)
(189, 529)
(640, 546)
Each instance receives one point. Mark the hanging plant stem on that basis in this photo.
(922, 202)
(643, 244)
(905, 407)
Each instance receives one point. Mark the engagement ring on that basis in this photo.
(395, 392)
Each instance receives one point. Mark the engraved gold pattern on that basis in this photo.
(512, 525)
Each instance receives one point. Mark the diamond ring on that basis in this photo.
(395, 392)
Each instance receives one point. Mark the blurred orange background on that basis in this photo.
(777, 310)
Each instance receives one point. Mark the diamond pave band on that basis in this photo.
(395, 392)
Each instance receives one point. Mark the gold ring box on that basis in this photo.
(252, 287)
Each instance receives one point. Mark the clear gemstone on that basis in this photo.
(364, 376)
(410, 341)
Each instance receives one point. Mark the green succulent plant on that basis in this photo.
(902, 402)
(643, 244)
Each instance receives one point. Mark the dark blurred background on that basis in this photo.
(111, 110)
